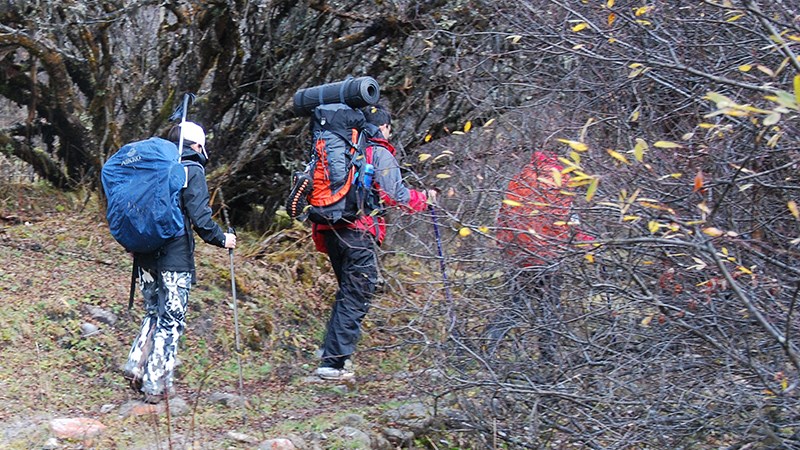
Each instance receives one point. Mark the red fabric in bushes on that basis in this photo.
(533, 220)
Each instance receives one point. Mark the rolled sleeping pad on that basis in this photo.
(354, 92)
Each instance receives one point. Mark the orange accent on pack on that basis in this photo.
(322, 195)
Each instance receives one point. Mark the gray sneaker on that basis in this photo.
(330, 373)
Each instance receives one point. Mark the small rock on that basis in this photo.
(227, 399)
(353, 437)
(107, 408)
(76, 428)
(241, 437)
(352, 420)
(277, 444)
(400, 438)
(177, 407)
(101, 315)
(88, 329)
(51, 444)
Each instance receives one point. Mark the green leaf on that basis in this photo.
(772, 119)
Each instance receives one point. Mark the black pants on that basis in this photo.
(352, 255)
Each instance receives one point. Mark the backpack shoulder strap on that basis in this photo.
(186, 164)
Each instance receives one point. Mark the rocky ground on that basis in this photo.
(66, 330)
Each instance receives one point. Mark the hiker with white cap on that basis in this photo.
(167, 274)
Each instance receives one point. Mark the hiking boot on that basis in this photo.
(155, 399)
(134, 382)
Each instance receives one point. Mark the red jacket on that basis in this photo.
(391, 189)
(534, 220)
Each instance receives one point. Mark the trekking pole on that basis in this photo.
(237, 348)
(447, 294)
(180, 112)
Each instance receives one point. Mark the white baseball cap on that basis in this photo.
(194, 132)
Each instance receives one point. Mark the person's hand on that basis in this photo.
(431, 196)
(230, 240)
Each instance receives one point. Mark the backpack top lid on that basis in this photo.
(336, 117)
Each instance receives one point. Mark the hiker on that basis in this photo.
(167, 274)
(352, 251)
(536, 224)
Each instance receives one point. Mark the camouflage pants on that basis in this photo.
(152, 355)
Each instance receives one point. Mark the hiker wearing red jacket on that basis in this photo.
(536, 228)
(352, 252)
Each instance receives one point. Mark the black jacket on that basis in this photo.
(177, 255)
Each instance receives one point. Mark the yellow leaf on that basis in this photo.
(618, 156)
(646, 321)
(797, 90)
(735, 18)
(611, 18)
(636, 72)
(713, 232)
(514, 38)
(773, 141)
(575, 145)
(634, 115)
(579, 27)
(630, 218)
(589, 257)
(512, 203)
(766, 70)
(639, 149)
(488, 123)
(642, 10)
(557, 177)
(443, 176)
(745, 270)
(464, 232)
(428, 138)
(592, 189)
(643, 22)
(610, 4)
(745, 67)
(483, 229)
(653, 226)
(721, 100)
(424, 156)
(467, 126)
(459, 132)
(793, 209)
(667, 144)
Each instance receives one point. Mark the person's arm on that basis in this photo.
(195, 202)
(390, 182)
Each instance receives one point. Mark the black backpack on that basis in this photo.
(336, 185)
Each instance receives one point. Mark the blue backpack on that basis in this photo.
(142, 182)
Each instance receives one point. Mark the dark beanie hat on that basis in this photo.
(377, 115)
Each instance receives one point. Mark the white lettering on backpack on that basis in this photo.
(132, 160)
